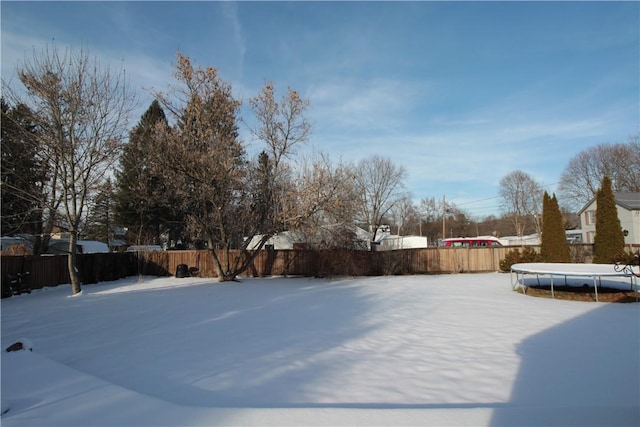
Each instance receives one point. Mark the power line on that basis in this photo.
(477, 201)
(496, 197)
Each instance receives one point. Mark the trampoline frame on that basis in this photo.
(594, 271)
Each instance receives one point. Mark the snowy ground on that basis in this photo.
(417, 350)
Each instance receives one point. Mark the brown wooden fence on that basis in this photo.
(52, 270)
(93, 268)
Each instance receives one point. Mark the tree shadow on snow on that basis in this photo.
(259, 343)
(584, 371)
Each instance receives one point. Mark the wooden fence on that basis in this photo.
(331, 263)
(93, 268)
(52, 270)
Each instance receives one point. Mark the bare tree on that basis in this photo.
(380, 185)
(402, 212)
(282, 125)
(580, 180)
(323, 208)
(522, 200)
(235, 203)
(204, 161)
(457, 221)
(82, 109)
(431, 211)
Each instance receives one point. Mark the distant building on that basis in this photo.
(575, 236)
(296, 240)
(628, 206)
(22, 240)
(145, 248)
(61, 247)
(530, 239)
(390, 242)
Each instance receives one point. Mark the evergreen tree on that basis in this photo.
(608, 244)
(100, 218)
(22, 174)
(555, 247)
(205, 163)
(142, 203)
(262, 196)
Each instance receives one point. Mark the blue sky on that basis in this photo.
(459, 93)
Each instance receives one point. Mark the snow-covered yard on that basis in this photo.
(415, 350)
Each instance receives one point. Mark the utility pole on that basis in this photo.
(444, 214)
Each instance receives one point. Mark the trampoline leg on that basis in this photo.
(517, 283)
(595, 285)
(552, 294)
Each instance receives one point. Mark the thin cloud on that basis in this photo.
(364, 105)
(460, 94)
(237, 34)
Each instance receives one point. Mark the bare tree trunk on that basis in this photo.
(249, 256)
(72, 262)
(83, 109)
(224, 274)
(241, 262)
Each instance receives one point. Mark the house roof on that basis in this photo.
(628, 200)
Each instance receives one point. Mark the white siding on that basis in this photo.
(629, 221)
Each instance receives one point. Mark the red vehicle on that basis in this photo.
(471, 242)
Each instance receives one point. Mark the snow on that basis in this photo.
(559, 269)
(61, 246)
(144, 248)
(382, 351)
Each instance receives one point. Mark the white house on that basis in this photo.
(530, 239)
(628, 206)
(393, 242)
(61, 246)
(292, 239)
(283, 240)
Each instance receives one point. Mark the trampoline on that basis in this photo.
(562, 270)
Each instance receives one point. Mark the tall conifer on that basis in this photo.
(141, 200)
(22, 174)
(554, 242)
(608, 244)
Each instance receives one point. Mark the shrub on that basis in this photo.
(627, 258)
(516, 256)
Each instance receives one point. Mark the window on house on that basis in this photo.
(590, 217)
